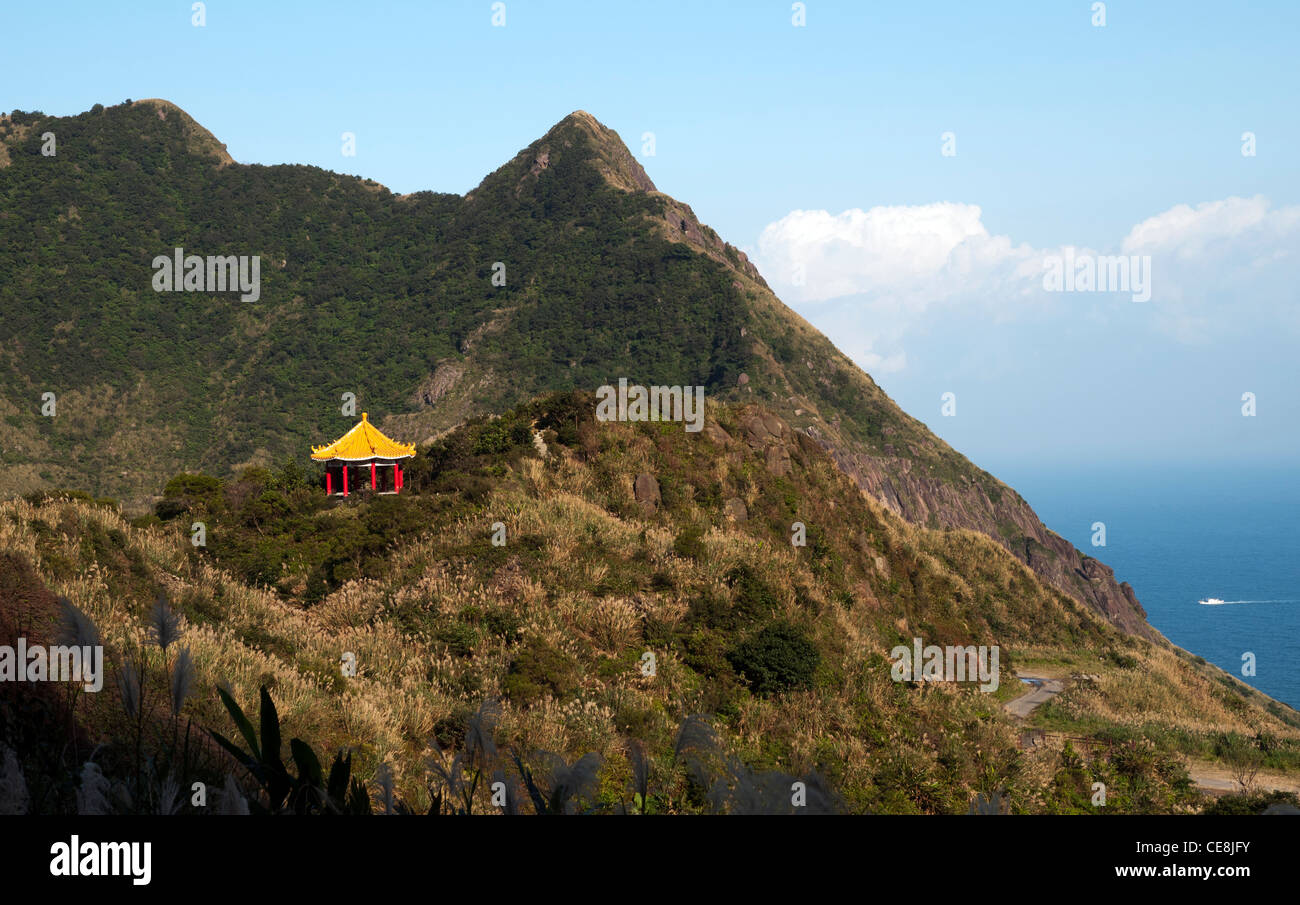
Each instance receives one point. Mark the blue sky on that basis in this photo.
(923, 268)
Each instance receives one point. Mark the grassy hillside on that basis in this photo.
(392, 298)
(784, 647)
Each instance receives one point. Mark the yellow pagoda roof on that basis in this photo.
(361, 444)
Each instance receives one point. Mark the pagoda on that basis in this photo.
(363, 453)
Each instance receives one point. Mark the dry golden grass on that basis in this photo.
(409, 683)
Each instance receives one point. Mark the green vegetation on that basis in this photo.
(392, 298)
(768, 661)
(362, 292)
(778, 658)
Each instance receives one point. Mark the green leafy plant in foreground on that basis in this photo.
(307, 791)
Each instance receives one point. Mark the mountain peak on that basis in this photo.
(611, 156)
(578, 136)
(582, 116)
(199, 139)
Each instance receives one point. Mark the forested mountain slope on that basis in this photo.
(393, 299)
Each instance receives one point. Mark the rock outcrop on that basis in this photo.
(932, 502)
(935, 502)
(646, 491)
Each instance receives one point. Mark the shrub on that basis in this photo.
(459, 638)
(778, 658)
(1235, 805)
(538, 670)
(689, 543)
(166, 509)
(563, 413)
(500, 435)
(291, 476)
(504, 624)
(754, 598)
(191, 485)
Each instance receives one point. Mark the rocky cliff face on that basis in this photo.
(931, 502)
(1009, 521)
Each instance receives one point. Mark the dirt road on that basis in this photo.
(1217, 778)
(1209, 777)
(1043, 689)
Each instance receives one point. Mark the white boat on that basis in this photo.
(1210, 601)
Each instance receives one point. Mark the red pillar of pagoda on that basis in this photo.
(329, 483)
(345, 479)
(397, 472)
(373, 483)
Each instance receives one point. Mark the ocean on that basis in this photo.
(1180, 534)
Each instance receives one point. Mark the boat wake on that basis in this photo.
(1214, 601)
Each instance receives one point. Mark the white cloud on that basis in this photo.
(1213, 227)
(822, 256)
(874, 278)
(1222, 265)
